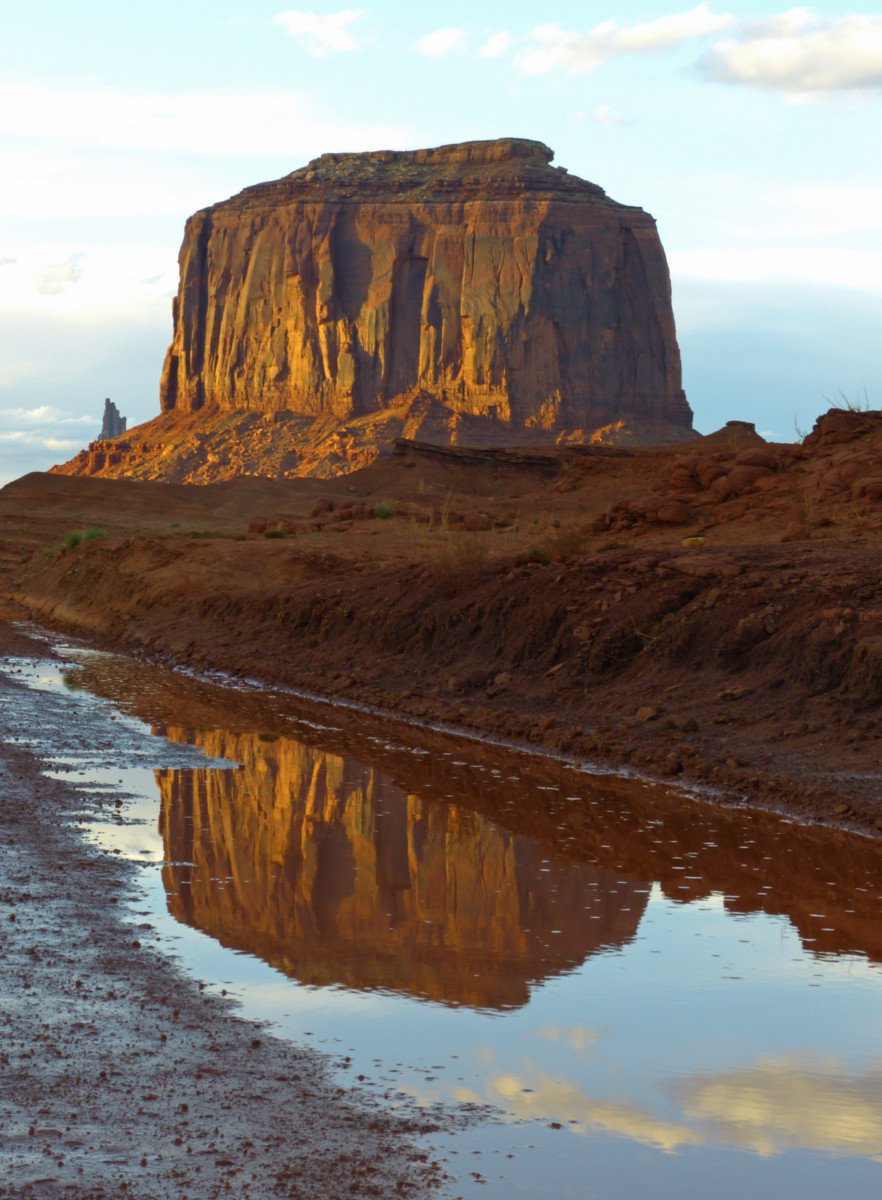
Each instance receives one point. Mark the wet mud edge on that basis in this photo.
(121, 1076)
(812, 759)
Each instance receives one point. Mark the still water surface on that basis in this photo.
(659, 997)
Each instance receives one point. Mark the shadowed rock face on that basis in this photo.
(333, 874)
(113, 424)
(477, 276)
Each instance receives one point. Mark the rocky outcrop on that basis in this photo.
(113, 424)
(476, 275)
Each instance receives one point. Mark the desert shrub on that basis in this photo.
(383, 510)
(566, 541)
(274, 533)
(76, 536)
(535, 554)
(844, 403)
(461, 562)
(612, 544)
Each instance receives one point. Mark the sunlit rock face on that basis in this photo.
(326, 869)
(476, 277)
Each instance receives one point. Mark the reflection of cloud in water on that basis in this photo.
(534, 1096)
(784, 1103)
(580, 1037)
(779, 1104)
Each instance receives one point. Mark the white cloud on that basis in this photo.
(495, 45)
(442, 41)
(805, 56)
(606, 115)
(51, 279)
(816, 211)
(809, 263)
(7, 262)
(574, 52)
(43, 413)
(44, 181)
(101, 280)
(26, 438)
(321, 34)
(240, 122)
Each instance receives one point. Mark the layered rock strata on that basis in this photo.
(474, 275)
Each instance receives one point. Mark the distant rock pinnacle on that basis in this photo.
(113, 424)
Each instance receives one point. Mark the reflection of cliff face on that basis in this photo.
(327, 870)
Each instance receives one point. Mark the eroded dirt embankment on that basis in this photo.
(755, 668)
(119, 1076)
(710, 612)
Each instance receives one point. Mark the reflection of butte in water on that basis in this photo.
(326, 869)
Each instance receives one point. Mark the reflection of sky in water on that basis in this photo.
(710, 1053)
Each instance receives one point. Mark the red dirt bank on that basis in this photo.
(711, 612)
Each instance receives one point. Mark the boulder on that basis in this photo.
(741, 477)
(757, 457)
(673, 512)
(871, 488)
(707, 470)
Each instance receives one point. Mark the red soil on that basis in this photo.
(710, 612)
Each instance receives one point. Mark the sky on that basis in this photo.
(750, 131)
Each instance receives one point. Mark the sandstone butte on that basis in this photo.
(469, 294)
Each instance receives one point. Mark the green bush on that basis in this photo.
(383, 510)
(76, 536)
(274, 533)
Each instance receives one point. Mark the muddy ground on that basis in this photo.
(709, 612)
(120, 1076)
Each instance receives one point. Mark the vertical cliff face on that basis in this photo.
(476, 275)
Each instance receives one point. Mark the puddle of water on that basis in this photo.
(658, 997)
